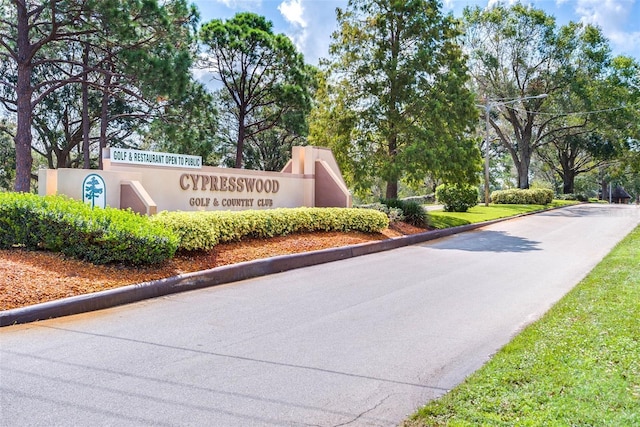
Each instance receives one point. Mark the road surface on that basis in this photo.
(359, 342)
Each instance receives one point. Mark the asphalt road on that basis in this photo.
(364, 341)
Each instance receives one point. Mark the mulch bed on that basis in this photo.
(28, 278)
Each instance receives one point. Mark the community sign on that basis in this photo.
(149, 182)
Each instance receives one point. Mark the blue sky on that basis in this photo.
(309, 23)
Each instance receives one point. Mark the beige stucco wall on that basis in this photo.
(69, 182)
(174, 189)
(210, 188)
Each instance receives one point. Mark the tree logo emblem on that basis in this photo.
(94, 191)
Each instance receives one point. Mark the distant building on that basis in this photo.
(618, 195)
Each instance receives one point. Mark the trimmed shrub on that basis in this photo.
(204, 230)
(412, 211)
(578, 197)
(457, 198)
(394, 214)
(100, 236)
(518, 196)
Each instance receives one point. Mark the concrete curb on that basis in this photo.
(218, 276)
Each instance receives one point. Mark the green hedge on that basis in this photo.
(412, 211)
(573, 196)
(204, 230)
(100, 236)
(457, 198)
(517, 196)
(393, 213)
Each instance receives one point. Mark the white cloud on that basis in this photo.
(492, 3)
(293, 12)
(608, 14)
(313, 40)
(299, 39)
(239, 4)
(611, 16)
(625, 42)
(448, 4)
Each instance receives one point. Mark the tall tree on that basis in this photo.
(270, 147)
(47, 45)
(518, 53)
(27, 28)
(604, 97)
(145, 59)
(397, 87)
(574, 154)
(262, 73)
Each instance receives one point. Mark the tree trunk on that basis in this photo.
(104, 117)
(523, 170)
(568, 180)
(392, 190)
(85, 109)
(605, 190)
(523, 177)
(24, 160)
(240, 140)
(24, 91)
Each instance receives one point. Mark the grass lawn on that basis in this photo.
(579, 365)
(479, 213)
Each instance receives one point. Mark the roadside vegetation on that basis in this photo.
(203, 230)
(577, 366)
(480, 213)
(104, 236)
(75, 229)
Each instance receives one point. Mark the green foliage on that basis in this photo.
(572, 196)
(392, 112)
(394, 214)
(100, 236)
(518, 52)
(266, 87)
(412, 211)
(189, 125)
(204, 230)
(573, 155)
(128, 54)
(457, 197)
(536, 196)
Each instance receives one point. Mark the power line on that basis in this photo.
(575, 113)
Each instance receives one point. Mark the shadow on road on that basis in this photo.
(488, 241)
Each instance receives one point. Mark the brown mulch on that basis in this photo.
(28, 278)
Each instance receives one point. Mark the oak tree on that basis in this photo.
(535, 75)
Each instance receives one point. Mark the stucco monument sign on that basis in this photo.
(149, 182)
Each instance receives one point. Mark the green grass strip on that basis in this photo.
(480, 213)
(579, 365)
